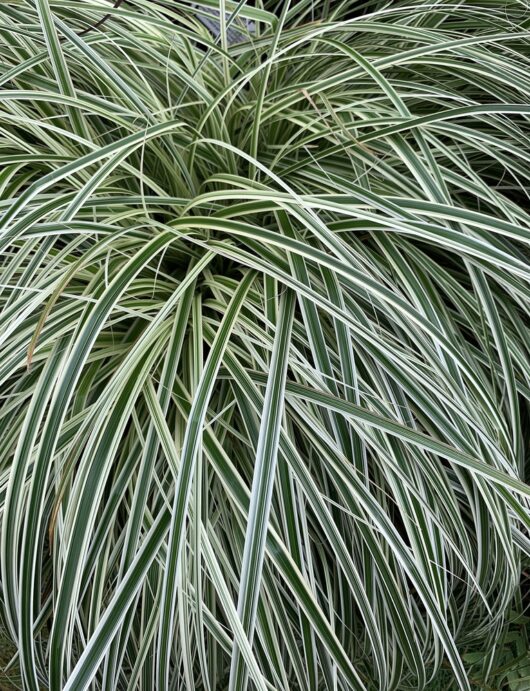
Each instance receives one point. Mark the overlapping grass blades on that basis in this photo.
(264, 344)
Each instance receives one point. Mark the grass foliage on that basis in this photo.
(264, 344)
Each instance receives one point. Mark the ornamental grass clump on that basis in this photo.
(264, 344)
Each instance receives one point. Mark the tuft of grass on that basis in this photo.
(9, 669)
(264, 344)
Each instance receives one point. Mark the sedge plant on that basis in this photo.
(264, 344)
